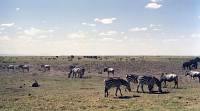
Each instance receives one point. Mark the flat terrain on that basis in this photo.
(57, 92)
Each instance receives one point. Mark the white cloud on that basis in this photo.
(153, 5)
(77, 35)
(154, 25)
(42, 36)
(199, 17)
(156, 29)
(105, 20)
(107, 39)
(138, 29)
(86, 24)
(155, 0)
(36, 31)
(108, 33)
(195, 35)
(5, 38)
(8, 24)
(17, 9)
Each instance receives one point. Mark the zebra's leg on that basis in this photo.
(108, 74)
(138, 87)
(120, 92)
(113, 74)
(106, 92)
(165, 84)
(116, 91)
(142, 87)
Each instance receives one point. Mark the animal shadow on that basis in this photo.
(156, 92)
(127, 97)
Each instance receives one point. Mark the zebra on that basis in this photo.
(193, 74)
(109, 70)
(45, 67)
(76, 71)
(149, 81)
(115, 82)
(132, 78)
(10, 67)
(24, 67)
(169, 78)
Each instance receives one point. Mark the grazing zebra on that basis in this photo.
(115, 82)
(24, 67)
(76, 71)
(169, 78)
(45, 67)
(109, 70)
(193, 74)
(149, 81)
(132, 78)
(10, 67)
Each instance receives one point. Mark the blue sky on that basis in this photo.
(100, 27)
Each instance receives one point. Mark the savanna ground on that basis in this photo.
(57, 92)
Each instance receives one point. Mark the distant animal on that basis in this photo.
(149, 81)
(109, 70)
(193, 74)
(76, 71)
(193, 63)
(169, 78)
(187, 65)
(132, 78)
(115, 82)
(45, 67)
(24, 67)
(35, 84)
(9, 67)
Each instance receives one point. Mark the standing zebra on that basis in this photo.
(10, 67)
(45, 67)
(24, 67)
(193, 74)
(109, 70)
(76, 71)
(169, 78)
(115, 82)
(132, 78)
(149, 81)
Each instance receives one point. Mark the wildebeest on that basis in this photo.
(193, 74)
(24, 67)
(76, 71)
(149, 81)
(109, 70)
(169, 78)
(191, 64)
(45, 67)
(132, 78)
(115, 82)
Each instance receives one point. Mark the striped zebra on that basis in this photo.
(132, 78)
(169, 78)
(24, 67)
(9, 67)
(115, 82)
(45, 67)
(76, 71)
(149, 81)
(193, 74)
(109, 70)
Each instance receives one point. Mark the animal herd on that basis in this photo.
(148, 79)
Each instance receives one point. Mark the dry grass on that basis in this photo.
(57, 92)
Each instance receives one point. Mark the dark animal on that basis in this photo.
(187, 65)
(149, 81)
(115, 82)
(35, 84)
(24, 67)
(191, 64)
(109, 70)
(169, 78)
(45, 67)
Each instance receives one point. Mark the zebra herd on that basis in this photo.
(24, 67)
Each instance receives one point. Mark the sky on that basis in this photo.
(100, 27)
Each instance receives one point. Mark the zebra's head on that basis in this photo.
(158, 83)
(105, 69)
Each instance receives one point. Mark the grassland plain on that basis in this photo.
(57, 92)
